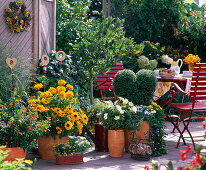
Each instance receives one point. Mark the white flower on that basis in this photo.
(153, 111)
(166, 59)
(121, 111)
(109, 104)
(125, 101)
(131, 104)
(146, 112)
(98, 114)
(134, 109)
(118, 107)
(105, 116)
(117, 117)
(121, 98)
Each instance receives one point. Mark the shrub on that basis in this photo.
(138, 88)
(145, 85)
(123, 83)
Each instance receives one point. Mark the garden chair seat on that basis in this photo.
(197, 95)
(105, 81)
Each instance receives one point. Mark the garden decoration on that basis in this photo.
(61, 108)
(45, 62)
(72, 151)
(17, 17)
(191, 60)
(60, 56)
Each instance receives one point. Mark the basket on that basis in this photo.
(140, 157)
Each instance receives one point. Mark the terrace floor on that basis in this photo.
(102, 160)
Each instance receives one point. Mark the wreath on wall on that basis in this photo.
(18, 18)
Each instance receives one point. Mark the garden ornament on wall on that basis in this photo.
(17, 17)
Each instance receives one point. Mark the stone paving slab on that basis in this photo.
(102, 161)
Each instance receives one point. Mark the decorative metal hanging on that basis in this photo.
(45, 61)
(60, 56)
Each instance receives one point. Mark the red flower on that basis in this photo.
(29, 127)
(180, 168)
(189, 149)
(183, 155)
(187, 168)
(146, 167)
(198, 157)
(204, 124)
(194, 162)
(18, 130)
(44, 130)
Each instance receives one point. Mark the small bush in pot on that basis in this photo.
(72, 151)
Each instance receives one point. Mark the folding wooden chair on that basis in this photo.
(197, 95)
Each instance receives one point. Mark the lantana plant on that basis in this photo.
(60, 107)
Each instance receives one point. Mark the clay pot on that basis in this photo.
(69, 160)
(141, 135)
(116, 142)
(45, 146)
(14, 153)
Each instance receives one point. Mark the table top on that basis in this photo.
(178, 78)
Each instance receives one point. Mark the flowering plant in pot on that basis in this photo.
(20, 127)
(60, 107)
(117, 117)
(72, 151)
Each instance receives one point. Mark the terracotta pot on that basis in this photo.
(45, 146)
(141, 135)
(69, 160)
(14, 153)
(116, 142)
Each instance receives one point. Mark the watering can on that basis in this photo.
(175, 65)
(101, 137)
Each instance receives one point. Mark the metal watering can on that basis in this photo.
(175, 65)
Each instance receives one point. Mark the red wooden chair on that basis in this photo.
(197, 95)
(105, 81)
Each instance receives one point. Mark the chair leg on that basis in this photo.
(177, 124)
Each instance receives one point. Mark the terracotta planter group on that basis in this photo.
(45, 146)
(69, 160)
(14, 153)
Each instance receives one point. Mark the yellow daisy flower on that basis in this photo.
(62, 82)
(59, 130)
(38, 86)
(68, 125)
(69, 86)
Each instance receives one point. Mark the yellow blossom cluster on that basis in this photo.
(191, 59)
(59, 106)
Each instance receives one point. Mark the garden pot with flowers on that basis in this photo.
(191, 60)
(114, 118)
(72, 151)
(19, 128)
(60, 108)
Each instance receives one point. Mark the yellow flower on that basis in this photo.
(28, 162)
(62, 82)
(69, 86)
(27, 14)
(60, 89)
(69, 94)
(84, 119)
(52, 90)
(59, 130)
(56, 110)
(68, 125)
(75, 100)
(75, 116)
(8, 19)
(80, 126)
(38, 86)
(69, 109)
(150, 107)
(44, 101)
(63, 95)
(15, 17)
(48, 94)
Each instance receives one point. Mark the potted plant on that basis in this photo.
(60, 107)
(19, 128)
(72, 151)
(116, 117)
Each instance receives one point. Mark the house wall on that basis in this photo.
(39, 40)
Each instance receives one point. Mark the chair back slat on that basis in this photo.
(198, 84)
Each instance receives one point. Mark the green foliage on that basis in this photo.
(145, 63)
(76, 145)
(95, 9)
(148, 19)
(123, 83)
(191, 31)
(70, 17)
(138, 88)
(145, 86)
(19, 127)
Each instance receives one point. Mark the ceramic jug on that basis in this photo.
(175, 65)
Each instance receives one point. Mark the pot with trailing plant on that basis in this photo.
(19, 128)
(72, 151)
(60, 107)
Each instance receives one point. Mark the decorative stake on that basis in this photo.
(11, 62)
(45, 61)
(60, 55)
